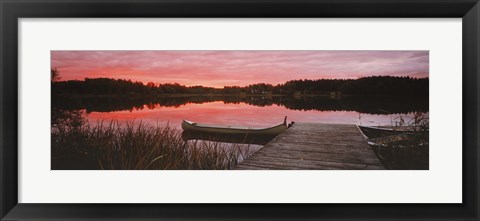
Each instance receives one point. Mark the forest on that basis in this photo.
(374, 85)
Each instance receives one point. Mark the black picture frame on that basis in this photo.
(12, 10)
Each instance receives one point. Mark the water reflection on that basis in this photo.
(361, 104)
(228, 138)
(255, 111)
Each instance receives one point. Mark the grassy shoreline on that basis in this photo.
(137, 147)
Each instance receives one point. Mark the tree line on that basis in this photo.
(375, 85)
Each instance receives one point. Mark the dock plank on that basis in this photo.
(310, 146)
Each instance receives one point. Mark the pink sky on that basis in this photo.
(227, 68)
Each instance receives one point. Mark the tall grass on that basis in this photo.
(138, 146)
(411, 153)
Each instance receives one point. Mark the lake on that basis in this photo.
(255, 111)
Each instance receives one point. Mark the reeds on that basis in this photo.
(138, 146)
(408, 154)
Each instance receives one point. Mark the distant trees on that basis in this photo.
(312, 86)
(376, 85)
(99, 86)
(259, 88)
(233, 89)
(379, 85)
(107, 86)
(54, 75)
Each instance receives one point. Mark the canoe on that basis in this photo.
(399, 140)
(375, 132)
(239, 130)
(389, 140)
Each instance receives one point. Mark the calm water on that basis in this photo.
(249, 114)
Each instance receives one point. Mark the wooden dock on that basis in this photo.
(311, 146)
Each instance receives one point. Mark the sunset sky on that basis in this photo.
(241, 68)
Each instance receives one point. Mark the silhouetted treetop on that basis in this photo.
(375, 85)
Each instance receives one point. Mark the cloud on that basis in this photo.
(224, 68)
